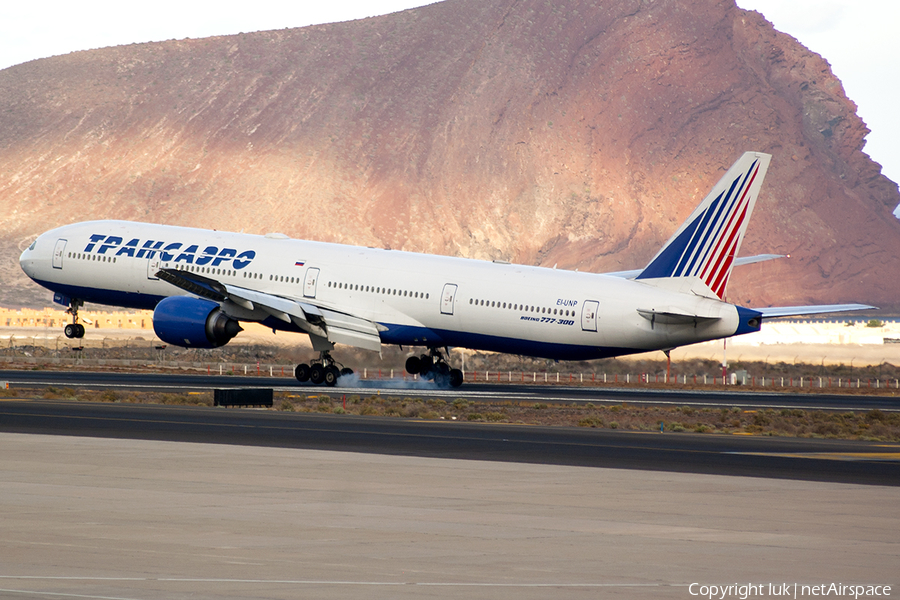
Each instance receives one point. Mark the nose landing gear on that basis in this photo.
(434, 366)
(74, 329)
(324, 370)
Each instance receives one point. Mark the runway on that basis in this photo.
(102, 518)
(140, 502)
(475, 392)
(792, 458)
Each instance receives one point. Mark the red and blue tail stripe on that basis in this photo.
(706, 244)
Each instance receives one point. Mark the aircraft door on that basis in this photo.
(589, 315)
(152, 268)
(309, 284)
(448, 298)
(58, 253)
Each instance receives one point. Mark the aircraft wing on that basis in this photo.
(744, 260)
(796, 311)
(328, 324)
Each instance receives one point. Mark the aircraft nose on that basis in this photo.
(27, 260)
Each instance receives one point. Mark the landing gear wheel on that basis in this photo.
(441, 374)
(324, 370)
(317, 373)
(426, 364)
(74, 329)
(331, 375)
(413, 365)
(301, 372)
(433, 366)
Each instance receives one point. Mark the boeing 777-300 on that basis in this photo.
(202, 284)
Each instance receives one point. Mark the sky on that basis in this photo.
(857, 37)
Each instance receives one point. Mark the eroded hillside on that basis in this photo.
(578, 133)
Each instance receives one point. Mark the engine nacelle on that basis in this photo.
(193, 322)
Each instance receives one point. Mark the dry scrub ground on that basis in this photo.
(873, 425)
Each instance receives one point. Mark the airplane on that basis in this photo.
(202, 284)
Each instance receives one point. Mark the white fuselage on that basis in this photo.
(417, 299)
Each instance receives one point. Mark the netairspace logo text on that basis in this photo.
(787, 590)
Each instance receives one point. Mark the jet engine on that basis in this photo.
(193, 322)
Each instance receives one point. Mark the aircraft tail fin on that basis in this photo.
(706, 244)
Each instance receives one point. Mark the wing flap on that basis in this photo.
(267, 302)
(335, 326)
(354, 338)
(353, 331)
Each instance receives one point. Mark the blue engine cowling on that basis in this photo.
(193, 322)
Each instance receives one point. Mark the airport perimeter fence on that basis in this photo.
(557, 378)
(260, 369)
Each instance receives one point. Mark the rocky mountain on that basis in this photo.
(577, 133)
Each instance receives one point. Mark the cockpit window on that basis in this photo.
(33, 244)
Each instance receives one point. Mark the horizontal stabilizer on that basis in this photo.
(796, 311)
(749, 260)
(744, 260)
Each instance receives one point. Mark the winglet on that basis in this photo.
(706, 244)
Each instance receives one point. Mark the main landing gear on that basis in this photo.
(431, 366)
(434, 366)
(324, 370)
(74, 329)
